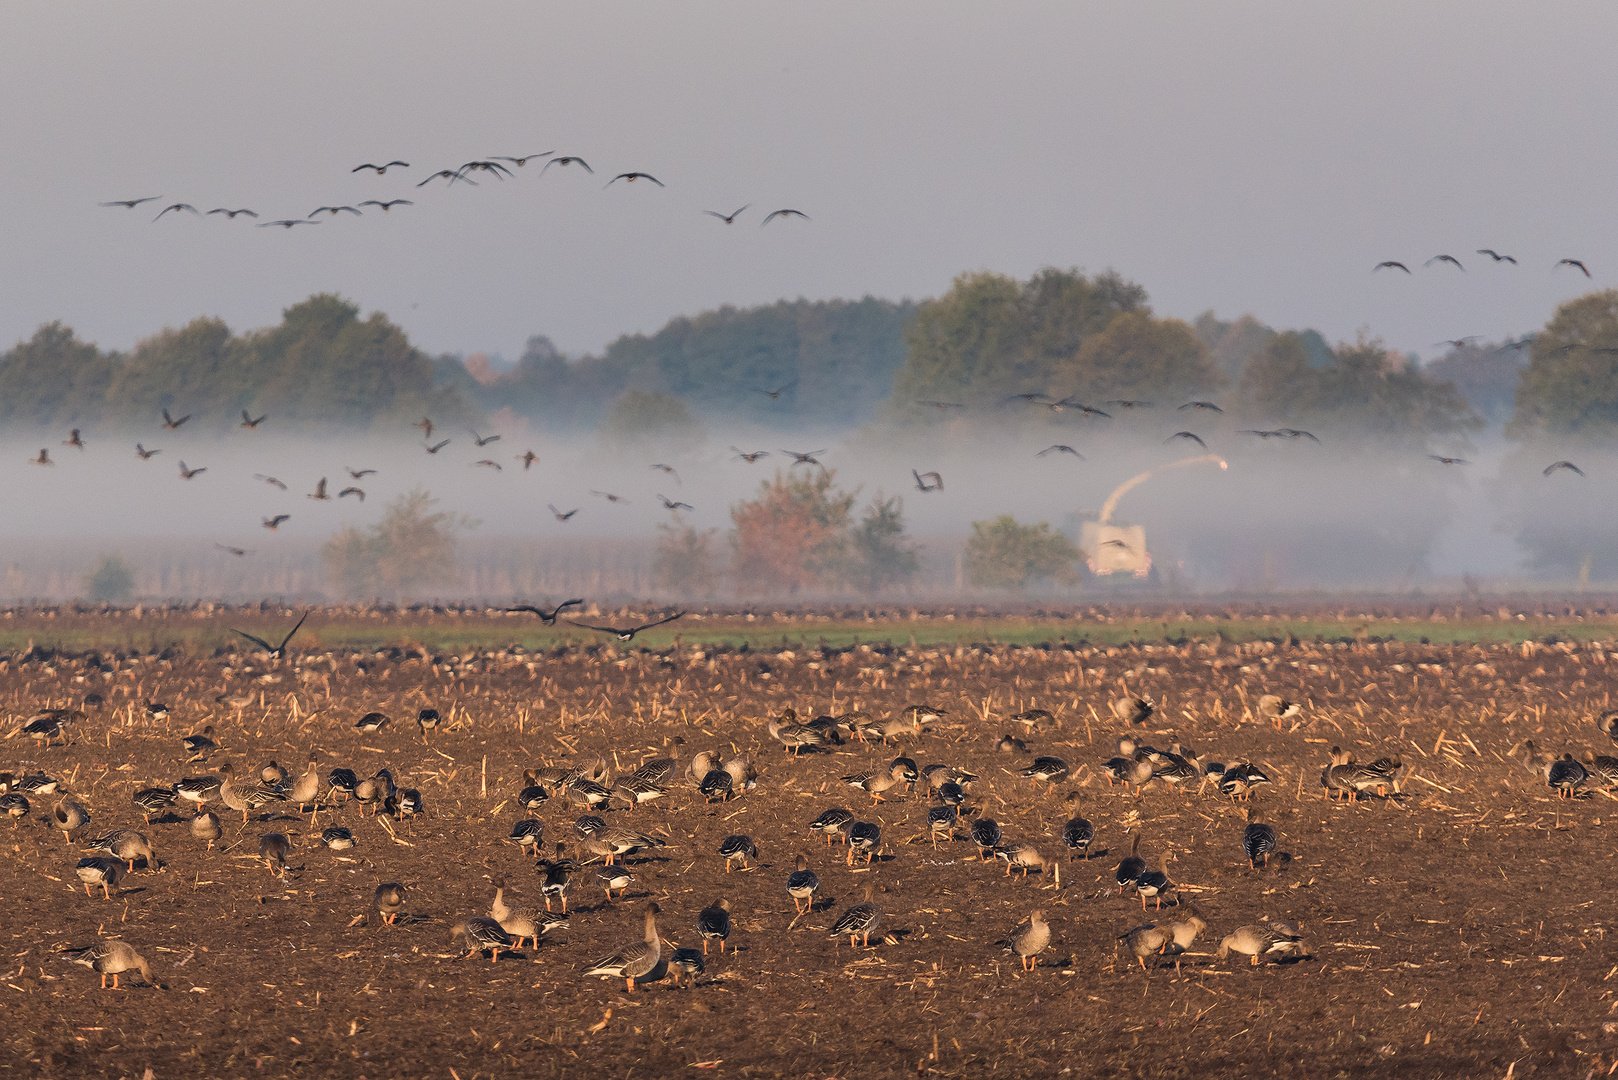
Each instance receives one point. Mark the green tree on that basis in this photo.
(878, 555)
(1003, 554)
(1571, 384)
(111, 582)
(53, 376)
(412, 547)
(1137, 356)
(685, 561)
(640, 419)
(196, 369)
(991, 336)
(1363, 389)
(792, 536)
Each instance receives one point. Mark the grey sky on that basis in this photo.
(1238, 156)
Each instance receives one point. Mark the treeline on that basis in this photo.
(321, 366)
(989, 344)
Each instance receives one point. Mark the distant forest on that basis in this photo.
(988, 344)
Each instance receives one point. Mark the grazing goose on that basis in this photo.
(38, 784)
(586, 793)
(389, 900)
(1029, 939)
(874, 782)
(656, 770)
(128, 845)
(1261, 940)
(68, 815)
(905, 771)
(557, 875)
(1566, 776)
(102, 871)
(153, 800)
(532, 795)
(1024, 857)
(859, 921)
(342, 782)
(14, 803)
(1048, 769)
(1258, 841)
(427, 720)
(375, 790)
(1032, 719)
(937, 776)
(802, 884)
(111, 957)
(1132, 866)
(200, 743)
(338, 838)
(833, 823)
(1154, 883)
(198, 789)
(951, 794)
(614, 844)
(1078, 834)
(306, 789)
(637, 960)
(687, 962)
(205, 826)
(246, 796)
(634, 790)
(410, 804)
(1130, 709)
(527, 834)
(614, 877)
(864, 838)
(737, 848)
(589, 825)
(522, 922)
(481, 932)
(1148, 940)
(713, 924)
(716, 784)
(1238, 781)
(273, 848)
(1380, 774)
(797, 737)
(986, 835)
(1175, 770)
(1274, 708)
(703, 762)
(891, 728)
(272, 774)
(48, 725)
(1116, 770)
(1010, 745)
(1603, 770)
(743, 773)
(941, 822)
(1186, 931)
(1335, 777)
(371, 721)
(1608, 723)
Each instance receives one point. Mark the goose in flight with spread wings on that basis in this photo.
(484, 440)
(352, 491)
(728, 219)
(287, 223)
(145, 454)
(568, 160)
(520, 161)
(270, 480)
(1189, 436)
(130, 204)
(249, 422)
(436, 447)
(922, 484)
(672, 504)
(274, 523)
(1445, 259)
(631, 177)
(381, 169)
(1496, 256)
(359, 474)
(773, 214)
(1573, 263)
(1442, 460)
(805, 459)
(1390, 264)
(1568, 465)
(171, 423)
(558, 514)
(743, 455)
(388, 205)
(1060, 448)
(186, 474)
(610, 497)
(231, 214)
(276, 651)
(319, 494)
(547, 617)
(176, 206)
(626, 633)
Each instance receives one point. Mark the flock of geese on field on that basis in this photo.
(602, 850)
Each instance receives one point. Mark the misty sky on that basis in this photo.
(1236, 156)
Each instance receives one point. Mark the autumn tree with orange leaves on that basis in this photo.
(794, 535)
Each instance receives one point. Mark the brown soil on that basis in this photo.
(1457, 929)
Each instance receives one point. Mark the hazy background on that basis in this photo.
(1243, 158)
(1238, 156)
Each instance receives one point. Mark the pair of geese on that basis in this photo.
(1256, 940)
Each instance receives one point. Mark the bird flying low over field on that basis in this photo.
(627, 633)
(275, 651)
(547, 617)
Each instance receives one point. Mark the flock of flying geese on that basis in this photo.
(488, 167)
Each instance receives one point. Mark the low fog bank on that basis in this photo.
(1287, 514)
